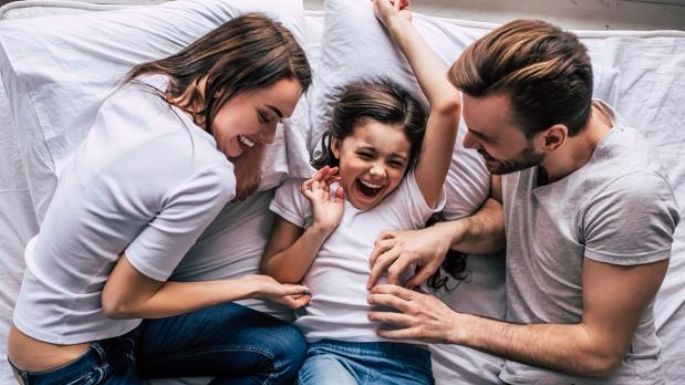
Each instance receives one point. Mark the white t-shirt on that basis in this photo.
(145, 182)
(337, 278)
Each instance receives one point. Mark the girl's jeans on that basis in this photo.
(230, 342)
(331, 362)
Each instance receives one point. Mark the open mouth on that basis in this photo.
(247, 142)
(368, 189)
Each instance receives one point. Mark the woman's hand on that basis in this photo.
(327, 208)
(293, 296)
(248, 172)
(386, 10)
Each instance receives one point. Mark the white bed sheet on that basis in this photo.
(650, 70)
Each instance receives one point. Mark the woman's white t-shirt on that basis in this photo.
(145, 183)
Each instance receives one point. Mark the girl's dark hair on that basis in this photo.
(382, 101)
(454, 264)
(246, 53)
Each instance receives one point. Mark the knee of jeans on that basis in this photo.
(290, 349)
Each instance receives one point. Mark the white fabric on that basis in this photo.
(641, 73)
(337, 277)
(54, 103)
(153, 221)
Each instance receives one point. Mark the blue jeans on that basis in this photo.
(230, 342)
(331, 362)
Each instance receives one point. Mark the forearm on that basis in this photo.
(572, 349)
(481, 233)
(429, 69)
(173, 298)
(290, 265)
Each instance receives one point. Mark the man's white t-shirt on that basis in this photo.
(145, 183)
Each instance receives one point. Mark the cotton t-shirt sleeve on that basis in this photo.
(186, 211)
(290, 204)
(631, 221)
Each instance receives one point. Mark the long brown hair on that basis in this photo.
(545, 71)
(246, 53)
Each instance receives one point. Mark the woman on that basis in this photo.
(149, 178)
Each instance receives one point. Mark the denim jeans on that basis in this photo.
(230, 342)
(331, 362)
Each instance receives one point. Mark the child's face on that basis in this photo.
(372, 162)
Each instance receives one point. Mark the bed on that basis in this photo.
(641, 73)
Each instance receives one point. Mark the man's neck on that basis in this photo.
(577, 151)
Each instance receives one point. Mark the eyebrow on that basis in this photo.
(275, 110)
(480, 134)
(373, 149)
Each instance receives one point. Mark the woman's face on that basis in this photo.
(250, 118)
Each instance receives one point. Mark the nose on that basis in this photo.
(268, 134)
(377, 170)
(470, 141)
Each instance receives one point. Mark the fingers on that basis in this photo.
(290, 289)
(381, 264)
(382, 244)
(390, 300)
(295, 302)
(397, 291)
(422, 275)
(390, 318)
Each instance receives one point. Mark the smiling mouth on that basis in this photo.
(368, 189)
(247, 142)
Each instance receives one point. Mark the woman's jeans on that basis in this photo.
(230, 342)
(332, 362)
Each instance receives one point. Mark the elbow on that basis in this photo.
(599, 364)
(115, 308)
(448, 105)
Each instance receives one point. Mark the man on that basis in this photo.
(586, 212)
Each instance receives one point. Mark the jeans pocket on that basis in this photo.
(91, 377)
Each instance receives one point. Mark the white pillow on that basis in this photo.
(58, 70)
(355, 46)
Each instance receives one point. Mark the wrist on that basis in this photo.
(321, 230)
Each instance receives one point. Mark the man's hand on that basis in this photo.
(423, 317)
(397, 251)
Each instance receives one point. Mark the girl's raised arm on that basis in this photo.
(444, 98)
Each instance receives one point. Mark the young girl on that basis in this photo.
(366, 183)
(149, 178)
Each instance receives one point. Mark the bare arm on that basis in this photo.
(291, 249)
(481, 233)
(614, 299)
(130, 294)
(443, 97)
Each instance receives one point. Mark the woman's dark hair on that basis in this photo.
(382, 101)
(246, 53)
(454, 264)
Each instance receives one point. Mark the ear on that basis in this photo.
(335, 147)
(554, 137)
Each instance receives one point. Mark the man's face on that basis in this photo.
(493, 133)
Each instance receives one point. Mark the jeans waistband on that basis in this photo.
(95, 355)
(377, 348)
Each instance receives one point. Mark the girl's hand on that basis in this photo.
(386, 10)
(293, 296)
(327, 208)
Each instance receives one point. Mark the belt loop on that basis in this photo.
(20, 375)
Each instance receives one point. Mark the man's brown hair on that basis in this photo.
(545, 71)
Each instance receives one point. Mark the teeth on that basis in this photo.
(370, 185)
(246, 141)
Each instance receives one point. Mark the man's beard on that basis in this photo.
(525, 159)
